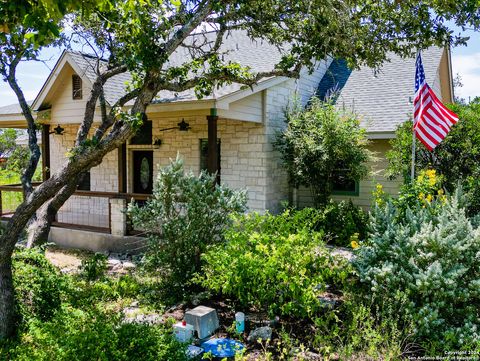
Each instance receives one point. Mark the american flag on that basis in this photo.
(432, 120)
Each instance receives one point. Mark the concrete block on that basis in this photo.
(204, 320)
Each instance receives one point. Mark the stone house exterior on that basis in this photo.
(248, 119)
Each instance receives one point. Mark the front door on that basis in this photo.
(143, 171)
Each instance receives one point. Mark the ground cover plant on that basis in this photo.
(277, 263)
(69, 317)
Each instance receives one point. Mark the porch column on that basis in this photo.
(212, 164)
(122, 168)
(118, 217)
(45, 151)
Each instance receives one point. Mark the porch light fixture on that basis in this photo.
(183, 126)
(157, 143)
(58, 130)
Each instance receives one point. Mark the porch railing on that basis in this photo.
(88, 210)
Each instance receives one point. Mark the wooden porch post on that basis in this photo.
(122, 168)
(212, 164)
(45, 151)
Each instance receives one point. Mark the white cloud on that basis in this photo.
(468, 66)
(7, 96)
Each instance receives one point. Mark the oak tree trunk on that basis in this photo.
(39, 229)
(7, 300)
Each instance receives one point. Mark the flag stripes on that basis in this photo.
(432, 120)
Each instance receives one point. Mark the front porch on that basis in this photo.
(90, 220)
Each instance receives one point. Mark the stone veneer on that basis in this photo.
(248, 159)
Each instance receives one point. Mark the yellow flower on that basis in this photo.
(354, 244)
(431, 173)
(421, 196)
(429, 198)
(440, 192)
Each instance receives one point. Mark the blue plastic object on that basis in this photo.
(222, 347)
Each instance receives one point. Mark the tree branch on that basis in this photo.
(97, 89)
(28, 173)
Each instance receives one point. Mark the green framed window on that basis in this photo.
(342, 185)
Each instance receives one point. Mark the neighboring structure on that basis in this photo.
(248, 119)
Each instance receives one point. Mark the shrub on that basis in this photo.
(275, 263)
(186, 214)
(356, 329)
(38, 285)
(318, 143)
(424, 261)
(455, 158)
(94, 267)
(343, 222)
(79, 335)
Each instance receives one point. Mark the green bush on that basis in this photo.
(38, 285)
(343, 222)
(185, 214)
(94, 267)
(275, 263)
(424, 261)
(357, 328)
(317, 143)
(78, 335)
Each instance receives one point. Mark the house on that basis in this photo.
(243, 120)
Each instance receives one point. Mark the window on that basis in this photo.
(144, 134)
(76, 87)
(204, 155)
(343, 185)
(84, 184)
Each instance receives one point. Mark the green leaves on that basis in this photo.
(319, 141)
(455, 158)
(274, 263)
(186, 214)
(422, 263)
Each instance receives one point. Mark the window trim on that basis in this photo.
(355, 192)
(77, 94)
(86, 180)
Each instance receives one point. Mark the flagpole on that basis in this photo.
(412, 170)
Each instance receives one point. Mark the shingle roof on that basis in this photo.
(12, 108)
(259, 55)
(381, 99)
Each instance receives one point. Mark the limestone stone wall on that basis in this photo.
(243, 161)
(92, 211)
(279, 98)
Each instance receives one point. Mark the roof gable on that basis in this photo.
(382, 98)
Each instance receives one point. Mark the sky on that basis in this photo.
(32, 75)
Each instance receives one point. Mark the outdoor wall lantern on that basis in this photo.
(58, 130)
(157, 143)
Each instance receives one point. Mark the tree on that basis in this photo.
(321, 144)
(16, 156)
(140, 37)
(455, 158)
